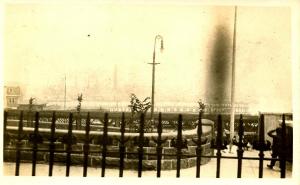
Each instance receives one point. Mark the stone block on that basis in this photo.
(113, 151)
(183, 164)
(152, 143)
(166, 165)
(76, 159)
(133, 150)
(77, 147)
(152, 150)
(166, 144)
(95, 149)
(112, 162)
(192, 150)
(149, 165)
(170, 153)
(96, 161)
(185, 153)
(192, 162)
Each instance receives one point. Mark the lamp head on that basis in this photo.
(161, 45)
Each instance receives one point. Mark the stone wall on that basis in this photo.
(168, 162)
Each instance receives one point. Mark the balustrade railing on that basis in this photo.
(57, 133)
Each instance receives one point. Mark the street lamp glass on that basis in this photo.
(161, 45)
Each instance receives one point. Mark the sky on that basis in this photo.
(88, 43)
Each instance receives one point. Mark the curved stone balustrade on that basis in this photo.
(149, 162)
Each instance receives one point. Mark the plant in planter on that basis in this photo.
(201, 106)
(137, 108)
(78, 108)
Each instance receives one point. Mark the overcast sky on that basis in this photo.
(87, 43)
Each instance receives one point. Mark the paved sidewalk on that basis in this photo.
(228, 169)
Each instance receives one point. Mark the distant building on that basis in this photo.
(12, 96)
(225, 108)
(33, 107)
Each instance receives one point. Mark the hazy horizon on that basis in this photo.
(88, 44)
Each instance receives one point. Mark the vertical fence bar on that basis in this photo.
(240, 150)
(219, 144)
(141, 144)
(69, 145)
(199, 145)
(159, 147)
(179, 145)
(86, 146)
(18, 145)
(122, 145)
(282, 154)
(4, 126)
(261, 143)
(35, 145)
(52, 145)
(104, 146)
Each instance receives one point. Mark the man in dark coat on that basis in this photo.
(276, 135)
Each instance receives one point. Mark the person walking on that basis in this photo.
(276, 135)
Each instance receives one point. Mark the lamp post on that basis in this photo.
(157, 37)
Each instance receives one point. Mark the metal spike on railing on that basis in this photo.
(104, 145)
(122, 145)
(18, 145)
(219, 143)
(179, 145)
(199, 145)
(69, 145)
(35, 142)
(140, 145)
(86, 146)
(159, 147)
(261, 143)
(282, 153)
(240, 150)
(52, 145)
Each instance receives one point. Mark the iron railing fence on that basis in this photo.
(53, 123)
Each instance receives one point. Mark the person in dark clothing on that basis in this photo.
(276, 135)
